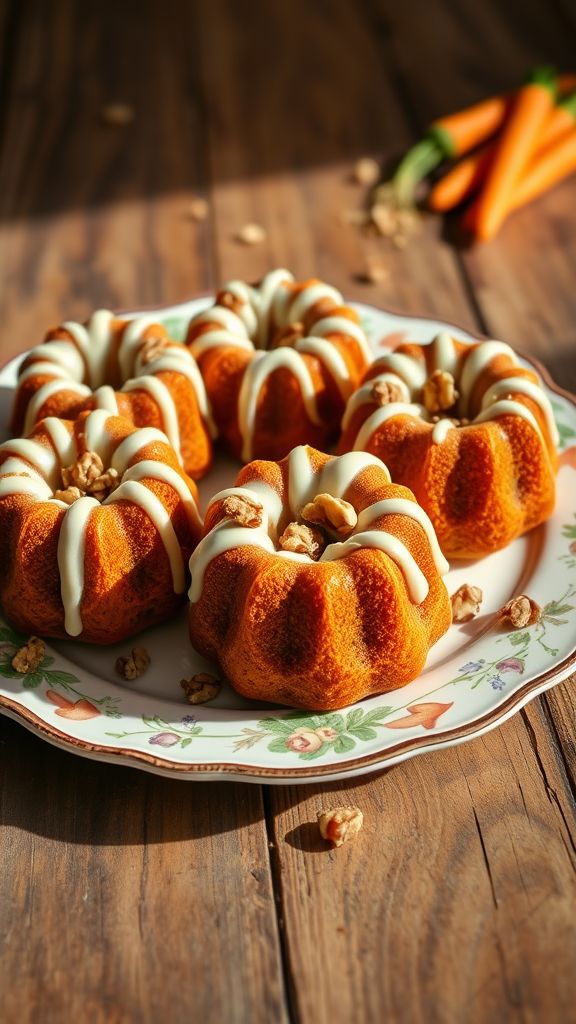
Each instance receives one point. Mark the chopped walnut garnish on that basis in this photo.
(246, 511)
(383, 392)
(88, 475)
(439, 391)
(135, 665)
(391, 221)
(151, 349)
(340, 824)
(251, 234)
(466, 603)
(200, 688)
(230, 301)
(288, 335)
(376, 272)
(118, 115)
(333, 513)
(304, 540)
(521, 611)
(30, 656)
(366, 171)
(198, 209)
(70, 495)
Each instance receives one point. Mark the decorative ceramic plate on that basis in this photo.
(476, 676)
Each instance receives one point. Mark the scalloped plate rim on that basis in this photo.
(239, 770)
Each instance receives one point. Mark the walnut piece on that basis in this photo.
(366, 171)
(330, 512)
(70, 495)
(251, 234)
(384, 391)
(30, 656)
(376, 272)
(135, 665)
(200, 688)
(245, 511)
(88, 475)
(340, 824)
(288, 336)
(305, 540)
(466, 603)
(521, 611)
(439, 391)
(117, 114)
(152, 349)
(198, 209)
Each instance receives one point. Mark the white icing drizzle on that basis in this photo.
(523, 386)
(273, 297)
(332, 360)
(308, 298)
(475, 362)
(63, 441)
(441, 430)
(258, 370)
(48, 391)
(132, 444)
(161, 395)
(93, 341)
(335, 478)
(71, 559)
(466, 369)
(180, 361)
(274, 306)
(152, 470)
(43, 368)
(444, 354)
(381, 415)
(416, 582)
(38, 468)
(363, 394)
(411, 371)
(219, 339)
(137, 494)
(40, 457)
(105, 398)
(509, 408)
(33, 486)
(131, 342)
(342, 325)
(57, 353)
(403, 507)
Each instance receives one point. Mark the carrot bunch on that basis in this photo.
(512, 149)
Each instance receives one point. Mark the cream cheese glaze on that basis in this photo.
(304, 483)
(272, 306)
(34, 469)
(409, 375)
(80, 365)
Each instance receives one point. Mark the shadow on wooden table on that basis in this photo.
(55, 794)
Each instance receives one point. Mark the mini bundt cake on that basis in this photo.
(279, 361)
(317, 582)
(129, 367)
(469, 430)
(97, 522)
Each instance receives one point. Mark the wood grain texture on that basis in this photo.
(126, 897)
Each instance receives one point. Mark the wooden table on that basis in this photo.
(125, 897)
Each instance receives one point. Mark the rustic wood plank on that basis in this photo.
(128, 897)
(456, 902)
(124, 897)
(301, 204)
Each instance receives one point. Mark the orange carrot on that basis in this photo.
(551, 166)
(463, 180)
(515, 147)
